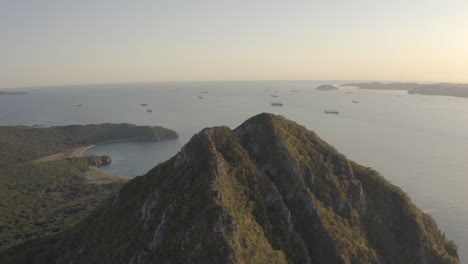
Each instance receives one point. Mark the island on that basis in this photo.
(383, 86)
(47, 185)
(12, 93)
(326, 87)
(269, 191)
(446, 89)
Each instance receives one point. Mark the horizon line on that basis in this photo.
(202, 81)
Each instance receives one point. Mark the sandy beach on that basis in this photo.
(70, 153)
(95, 175)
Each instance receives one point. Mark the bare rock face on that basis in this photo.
(269, 191)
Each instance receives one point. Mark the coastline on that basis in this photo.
(70, 153)
(132, 139)
(95, 175)
(79, 151)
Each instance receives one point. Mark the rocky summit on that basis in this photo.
(269, 191)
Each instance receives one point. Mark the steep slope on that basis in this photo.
(269, 191)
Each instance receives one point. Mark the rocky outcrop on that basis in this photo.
(269, 191)
(99, 161)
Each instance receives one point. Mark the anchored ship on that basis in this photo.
(276, 104)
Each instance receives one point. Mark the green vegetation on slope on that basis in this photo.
(315, 179)
(39, 199)
(21, 144)
(365, 214)
(392, 219)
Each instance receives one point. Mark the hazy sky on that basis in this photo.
(47, 42)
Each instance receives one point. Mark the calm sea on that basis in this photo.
(419, 143)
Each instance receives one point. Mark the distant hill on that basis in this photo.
(22, 143)
(269, 191)
(326, 87)
(447, 89)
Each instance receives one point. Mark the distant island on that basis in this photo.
(269, 191)
(12, 93)
(326, 87)
(446, 89)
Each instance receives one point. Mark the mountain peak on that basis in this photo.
(264, 121)
(269, 191)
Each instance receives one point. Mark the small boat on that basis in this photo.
(79, 105)
(200, 97)
(295, 91)
(276, 104)
(331, 112)
(149, 111)
(143, 105)
(273, 95)
(355, 102)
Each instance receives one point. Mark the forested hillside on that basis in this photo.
(21, 143)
